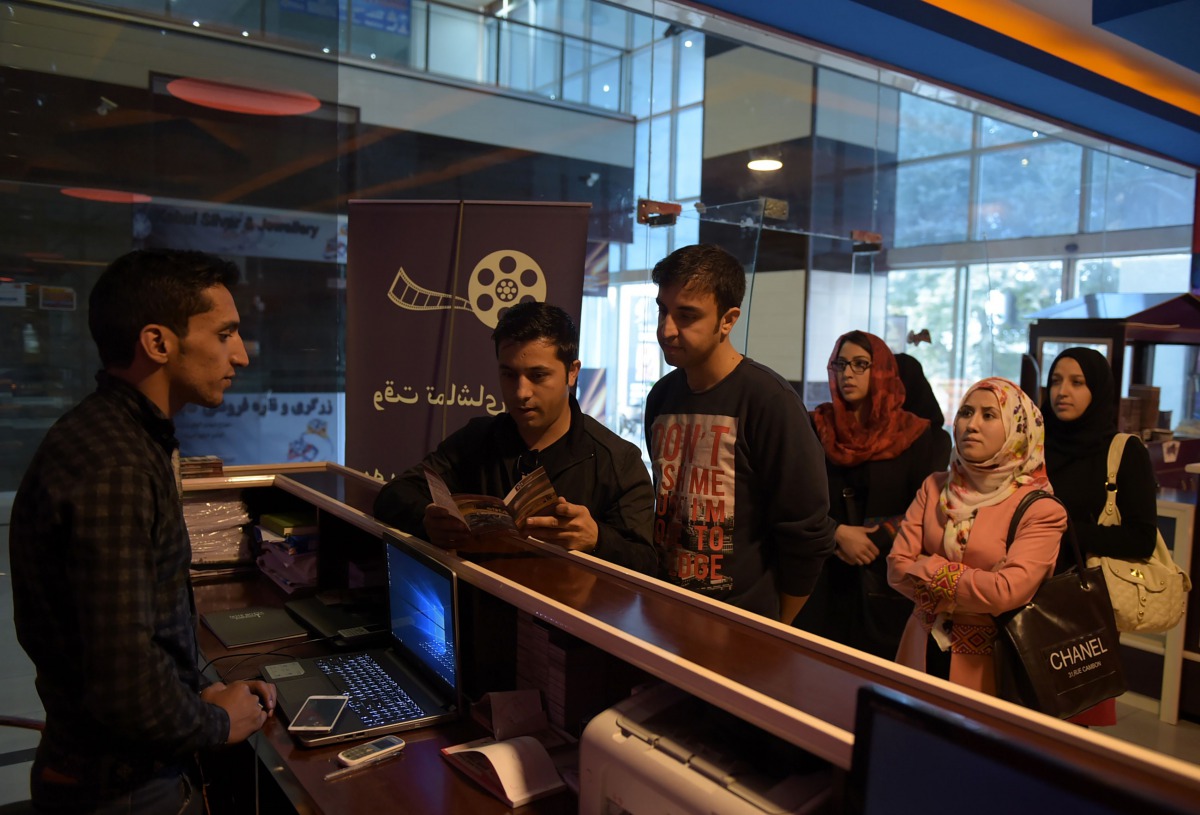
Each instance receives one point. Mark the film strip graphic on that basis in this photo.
(501, 280)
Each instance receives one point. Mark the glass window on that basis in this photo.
(1000, 298)
(605, 78)
(932, 201)
(1029, 190)
(456, 42)
(663, 80)
(660, 158)
(1124, 194)
(639, 83)
(929, 128)
(1152, 273)
(925, 299)
(689, 139)
(609, 24)
(691, 68)
(993, 132)
(574, 17)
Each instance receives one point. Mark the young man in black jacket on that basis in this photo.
(605, 504)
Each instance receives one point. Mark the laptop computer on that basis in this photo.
(411, 683)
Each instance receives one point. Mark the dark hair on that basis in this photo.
(859, 338)
(162, 286)
(705, 268)
(526, 322)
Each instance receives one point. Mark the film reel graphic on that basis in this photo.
(499, 281)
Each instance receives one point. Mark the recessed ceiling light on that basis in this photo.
(764, 165)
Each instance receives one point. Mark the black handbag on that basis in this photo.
(1059, 653)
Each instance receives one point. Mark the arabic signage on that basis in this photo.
(426, 283)
(255, 427)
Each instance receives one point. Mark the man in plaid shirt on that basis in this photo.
(100, 553)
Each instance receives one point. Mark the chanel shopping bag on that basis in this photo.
(1058, 654)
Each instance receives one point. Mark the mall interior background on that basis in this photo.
(244, 128)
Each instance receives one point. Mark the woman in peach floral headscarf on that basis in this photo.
(949, 555)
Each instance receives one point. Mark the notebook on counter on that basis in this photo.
(239, 627)
(411, 683)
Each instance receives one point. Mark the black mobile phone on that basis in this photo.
(318, 714)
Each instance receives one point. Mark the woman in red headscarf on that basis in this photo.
(876, 456)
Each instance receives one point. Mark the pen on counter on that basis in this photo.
(342, 772)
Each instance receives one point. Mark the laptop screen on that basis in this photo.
(421, 600)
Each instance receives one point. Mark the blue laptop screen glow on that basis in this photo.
(422, 611)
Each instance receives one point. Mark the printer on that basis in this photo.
(664, 751)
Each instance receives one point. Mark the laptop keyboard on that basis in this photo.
(374, 695)
(441, 655)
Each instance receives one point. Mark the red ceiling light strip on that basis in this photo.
(240, 99)
(107, 196)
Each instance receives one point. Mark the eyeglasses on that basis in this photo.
(857, 365)
(527, 462)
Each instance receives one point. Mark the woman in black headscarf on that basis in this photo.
(919, 399)
(1079, 406)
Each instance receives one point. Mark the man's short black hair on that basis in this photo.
(704, 267)
(162, 286)
(526, 322)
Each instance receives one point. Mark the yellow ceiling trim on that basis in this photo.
(1051, 36)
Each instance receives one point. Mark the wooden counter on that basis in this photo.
(797, 686)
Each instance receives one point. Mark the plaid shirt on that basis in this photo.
(103, 601)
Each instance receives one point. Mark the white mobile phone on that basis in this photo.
(371, 751)
(318, 714)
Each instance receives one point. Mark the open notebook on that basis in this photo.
(411, 683)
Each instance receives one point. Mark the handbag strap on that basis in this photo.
(1026, 501)
(1109, 516)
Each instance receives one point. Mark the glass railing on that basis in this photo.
(430, 37)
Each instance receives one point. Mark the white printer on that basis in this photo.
(664, 751)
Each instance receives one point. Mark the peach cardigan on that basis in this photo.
(990, 584)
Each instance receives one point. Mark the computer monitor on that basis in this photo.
(911, 758)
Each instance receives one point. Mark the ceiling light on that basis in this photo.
(241, 99)
(106, 196)
(764, 165)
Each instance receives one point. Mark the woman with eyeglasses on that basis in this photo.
(876, 456)
(950, 556)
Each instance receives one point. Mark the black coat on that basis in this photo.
(590, 465)
(854, 605)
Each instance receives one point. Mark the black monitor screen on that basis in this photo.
(911, 758)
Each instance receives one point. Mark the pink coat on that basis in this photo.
(990, 584)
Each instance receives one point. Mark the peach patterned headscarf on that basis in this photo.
(1019, 462)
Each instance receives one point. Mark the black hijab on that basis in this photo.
(1095, 428)
(918, 395)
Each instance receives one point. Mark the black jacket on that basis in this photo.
(590, 465)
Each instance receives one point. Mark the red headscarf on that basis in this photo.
(886, 431)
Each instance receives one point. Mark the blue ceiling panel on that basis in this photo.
(1169, 29)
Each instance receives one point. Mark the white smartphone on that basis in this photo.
(318, 714)
(371, 751)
